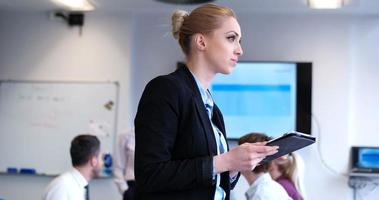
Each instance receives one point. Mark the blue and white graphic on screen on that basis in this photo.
(368, 158)
(257, 97)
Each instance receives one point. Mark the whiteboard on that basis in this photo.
(38, 120)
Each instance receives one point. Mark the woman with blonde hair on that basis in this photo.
(181, 150)
(287, 171)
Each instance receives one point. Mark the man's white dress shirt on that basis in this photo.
(68, 186)
(265, 188)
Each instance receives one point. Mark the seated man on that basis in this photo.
(86, 162)
(262, 186)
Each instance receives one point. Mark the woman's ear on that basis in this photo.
(200, 41)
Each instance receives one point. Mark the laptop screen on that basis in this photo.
(366, 157)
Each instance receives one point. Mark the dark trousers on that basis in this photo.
(129, 193)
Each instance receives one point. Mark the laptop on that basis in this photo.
(365, 160)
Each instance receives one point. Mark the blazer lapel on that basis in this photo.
(201, 111)
(206, 123)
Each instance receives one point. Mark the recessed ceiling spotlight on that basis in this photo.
(76, 5)
(326, 4)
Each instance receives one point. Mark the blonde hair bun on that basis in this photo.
(177, 18)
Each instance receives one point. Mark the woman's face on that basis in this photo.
(223, 46)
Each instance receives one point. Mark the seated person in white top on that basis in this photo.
(124, 164)
(86, 161)
(262, 186)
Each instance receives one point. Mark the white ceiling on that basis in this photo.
(240, 6)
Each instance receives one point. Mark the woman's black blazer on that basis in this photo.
(175, 142)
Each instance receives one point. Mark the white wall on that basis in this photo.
(365, 87)
(133, 50)
(154, 52)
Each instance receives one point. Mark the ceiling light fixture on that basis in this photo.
(325, 4)
(185, 1)
(76, 5)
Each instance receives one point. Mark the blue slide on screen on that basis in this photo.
(257, 97)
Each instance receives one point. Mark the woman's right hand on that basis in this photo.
(244, 157)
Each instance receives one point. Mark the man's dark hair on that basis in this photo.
(83, 148)
(252, 138)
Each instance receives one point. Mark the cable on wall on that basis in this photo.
(319, 152)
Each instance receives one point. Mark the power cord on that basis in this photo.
(319, 152)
